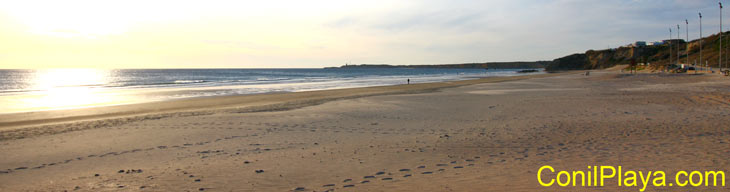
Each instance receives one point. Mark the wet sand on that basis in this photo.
(479, 135)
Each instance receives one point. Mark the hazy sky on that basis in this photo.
(314, 33)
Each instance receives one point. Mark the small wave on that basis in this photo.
(272, 79)
(189, 81)
(10, 91)
(153, 84)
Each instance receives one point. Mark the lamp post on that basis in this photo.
(700, 41)
(719, 62)
(686, 50)
(669, 43)
(678, 38)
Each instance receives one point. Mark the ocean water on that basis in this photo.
(49, 89)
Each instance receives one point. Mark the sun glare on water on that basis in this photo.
(50, 79)
(67, 88)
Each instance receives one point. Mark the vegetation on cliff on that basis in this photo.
(655, 56)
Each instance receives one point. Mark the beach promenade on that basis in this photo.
(476, 135)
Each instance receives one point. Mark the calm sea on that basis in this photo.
(47, 89)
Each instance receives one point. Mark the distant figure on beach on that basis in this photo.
(588, 73)
(409, 81)
(633, 66)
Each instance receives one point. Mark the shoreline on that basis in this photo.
(122, 87)
(231, 103)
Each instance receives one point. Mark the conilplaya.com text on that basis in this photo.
(599, 176)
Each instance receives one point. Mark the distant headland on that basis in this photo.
(487, 65)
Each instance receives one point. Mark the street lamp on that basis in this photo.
(700, 41)
(669, 43)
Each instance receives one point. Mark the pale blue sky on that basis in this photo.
(318, 33)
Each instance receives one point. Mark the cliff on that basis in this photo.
(657, 57)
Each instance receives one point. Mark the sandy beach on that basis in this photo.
(489, 134)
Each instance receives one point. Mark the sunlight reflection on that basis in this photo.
(47, 79)
(68, 88)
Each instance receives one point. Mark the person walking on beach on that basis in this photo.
(409, 81)
(633, 66)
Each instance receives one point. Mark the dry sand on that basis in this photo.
(479, 135)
